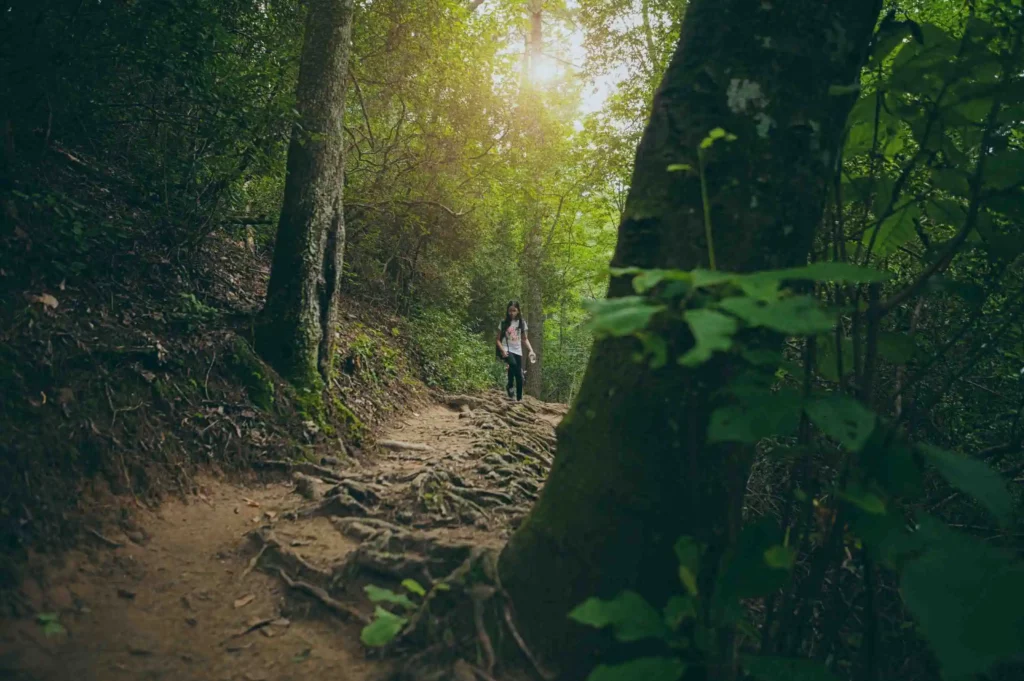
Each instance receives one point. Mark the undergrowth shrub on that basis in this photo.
(450, 355)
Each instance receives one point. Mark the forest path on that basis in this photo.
(264, 581)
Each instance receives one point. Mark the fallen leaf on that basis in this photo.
(45, 299)
(244, 601)
(251, 502)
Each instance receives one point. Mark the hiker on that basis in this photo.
(511, 336)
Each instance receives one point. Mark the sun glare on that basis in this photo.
(544, 70)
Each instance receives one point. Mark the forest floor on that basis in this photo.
(263, 577)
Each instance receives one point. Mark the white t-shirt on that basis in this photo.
(513, 340)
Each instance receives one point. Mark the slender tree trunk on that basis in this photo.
(295, 328)
(633, 470)
(534, 259)
(533, 247)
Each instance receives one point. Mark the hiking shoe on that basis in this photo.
(511, 393)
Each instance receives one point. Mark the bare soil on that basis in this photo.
(264, 579)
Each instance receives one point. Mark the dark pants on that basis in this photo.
(515, 373)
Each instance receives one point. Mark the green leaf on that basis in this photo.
(413, 586)
(678, 610)
(629, 614)
(383, 629)
(705, 278)
(745, 572)
(843, 419)
(967, 598)
(895, 230)
(951, 181)
(794, 315)
(826, 360)
(647, 279)
(689, 553)
(1004, 169)
(890, 464)
(711, 331)
(974, 478)
(898, 348)
(786, 669)
(655, 347)
(677, 167)
(754, 419)
(780, 557)
(379, 595)
(642, 669)
(890, 34)
(825, 271)
(621, 316)
(864, 500)
(838, 90)
(50, 622)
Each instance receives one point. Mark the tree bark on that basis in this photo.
(533, 247)
(534, 258)
(633, 470)
(295, 328)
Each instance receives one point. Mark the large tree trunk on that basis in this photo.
(295, 328)
(633, 470)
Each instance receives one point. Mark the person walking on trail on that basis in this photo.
(511, 337)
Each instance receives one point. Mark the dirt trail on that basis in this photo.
(264, 581)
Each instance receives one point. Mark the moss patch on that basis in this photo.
(251, 373)
(355, 429)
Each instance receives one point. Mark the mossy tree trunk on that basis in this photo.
(634, 471)
(296, 326)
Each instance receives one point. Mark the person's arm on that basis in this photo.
(526, 340)
(497, 342)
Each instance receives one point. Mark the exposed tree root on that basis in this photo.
(398, 518)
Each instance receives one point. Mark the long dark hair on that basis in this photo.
(508, 317)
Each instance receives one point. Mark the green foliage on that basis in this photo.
(967, 599)
(631, 617)
(647, 668)
(386, 625)
(383, 629)
(50, 622)
(451, 356)
(379, 595)
(373, 357)
(786, 669)
(973, 478)
(721, 309)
